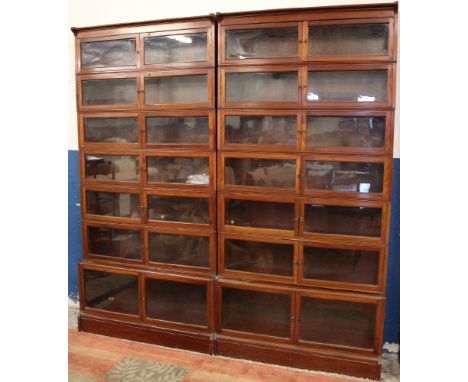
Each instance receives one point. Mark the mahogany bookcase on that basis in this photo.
(236, 183)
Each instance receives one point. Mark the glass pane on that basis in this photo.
(179, 249)
(176, 89)
(183, 170)
(112, 242)
(344, 176)
(262, 86)
(258, 257)
(357, 221)
(348, 40)
(111, 130)
(261, 130)
(347, 86)
(177, 130)
(113, 204)
(260, 172)
(176, 48)
(252, 213)
(366, 132)
(342, 265)
(111, 291)
(109, 92)
(99, 54)
(111, 167)
(175, 301)
(261, 43)
(256, 312)
(346, 323)
(179, 209)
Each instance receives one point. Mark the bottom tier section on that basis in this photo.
(215, 344)
(182, 339)
(295, 356)
(290, 325)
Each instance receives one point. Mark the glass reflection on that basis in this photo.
(260, 130)
(98, 54)
(111, 130)
(261, 43)
(344, 176)
(186, 170)
(111, 167)
(262, 87)
(348, 86)
(177, 130)
(176, 48)
(113, 204)
(366, 132)
(352, 40)
(260, 172)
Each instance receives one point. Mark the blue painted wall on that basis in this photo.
(392, 315)
(392, 309)
(74, 223)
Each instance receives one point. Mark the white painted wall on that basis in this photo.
(83, 13)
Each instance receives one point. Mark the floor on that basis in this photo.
(95, 358)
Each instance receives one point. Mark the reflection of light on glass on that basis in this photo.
(241, 57)
(181, 38)
(363, 98)
(312, 96)
(364, 187)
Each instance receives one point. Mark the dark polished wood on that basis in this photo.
(231, 206)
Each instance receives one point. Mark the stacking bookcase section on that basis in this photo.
(259, 130)
(256, 258)
(257, 230)
(147, 136)
(149, 306)
(305, 138)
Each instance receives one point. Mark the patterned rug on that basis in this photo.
(94, 358)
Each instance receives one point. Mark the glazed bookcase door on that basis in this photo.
(121, 243)
(342, 266)
(181, 250)
(107, 91)
(178, 89)
(110, 292)
(257, 214)
(180, 130)
(370, 39)
(111, 167)
(345, 221)
(259, 130)
(346, 176)
(348, 132)
(110, 130)
(255, 311)
(257, 258)
(180, 209)
(259, 173)
(348, 86)
(115, 53)
(178, 48)
(112, 204)
(352, 321)
(185, 170)
(260, 43)
(260, 87)
(178, 301)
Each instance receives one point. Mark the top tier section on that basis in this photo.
(183, 43)
(354, 34)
